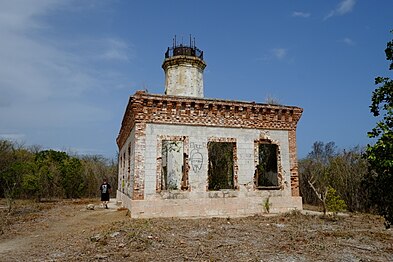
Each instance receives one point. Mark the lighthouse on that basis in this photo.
(183, 67)
(172, 148)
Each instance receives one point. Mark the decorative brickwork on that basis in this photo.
(164, 109)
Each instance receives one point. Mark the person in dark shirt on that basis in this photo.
(105, 189)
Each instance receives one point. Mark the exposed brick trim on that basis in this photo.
(264, 138)
(165, 109)
(139, 173)
(293, 163)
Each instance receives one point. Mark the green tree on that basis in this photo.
(72, 183)
(6, 160)
(57, 175)
(35, 173)
(380, 155)
(15, 164)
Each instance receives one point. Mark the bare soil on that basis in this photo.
(67, 231)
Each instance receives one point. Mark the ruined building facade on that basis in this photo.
(182, 155)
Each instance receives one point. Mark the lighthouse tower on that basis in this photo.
(183, 66)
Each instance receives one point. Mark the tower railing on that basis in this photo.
(183, 50)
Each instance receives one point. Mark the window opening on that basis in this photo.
(267, 169)
(221, 165)
(172, 169)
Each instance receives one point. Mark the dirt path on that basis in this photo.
(48, 237)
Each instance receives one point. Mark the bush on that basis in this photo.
(333, 201)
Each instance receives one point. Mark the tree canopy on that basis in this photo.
(380, 155)
(46, 174)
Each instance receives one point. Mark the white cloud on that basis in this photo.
(50, 84)
(115, 49)
(274, 54)
(279, 53)
(347, 41)
(20, 14)
(301, 14)
(344, 7)
(35, 70)
(32, 69)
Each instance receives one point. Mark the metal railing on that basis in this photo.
(180, 49)
(183, 50)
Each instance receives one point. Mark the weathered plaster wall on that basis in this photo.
(184, 76)
(184, 80)
(197, 201)
(198, 138)
(210, 207)
(127, 166)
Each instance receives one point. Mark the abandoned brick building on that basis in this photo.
(182, 155)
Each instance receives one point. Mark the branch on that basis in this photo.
(321, 196)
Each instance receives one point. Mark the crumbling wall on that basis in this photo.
(196, 150)
(151, 119)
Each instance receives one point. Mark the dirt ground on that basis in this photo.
(67, 231)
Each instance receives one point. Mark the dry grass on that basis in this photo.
(74, 234)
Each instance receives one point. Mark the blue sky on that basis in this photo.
(68, 67)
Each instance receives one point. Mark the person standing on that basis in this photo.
(105, 189)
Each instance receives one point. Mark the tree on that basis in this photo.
(314, 173)
(94, 169)
(15, 164)
(57, 175)
(71, 169)
(6, 160)
(343, 170)
(350, 168)
(380, 155)
(29, 172)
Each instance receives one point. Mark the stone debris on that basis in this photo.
(115, 234)
(100, 256)
(95, 238)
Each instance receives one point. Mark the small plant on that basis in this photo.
(334, 203)
(267, 204)
(270, 100)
